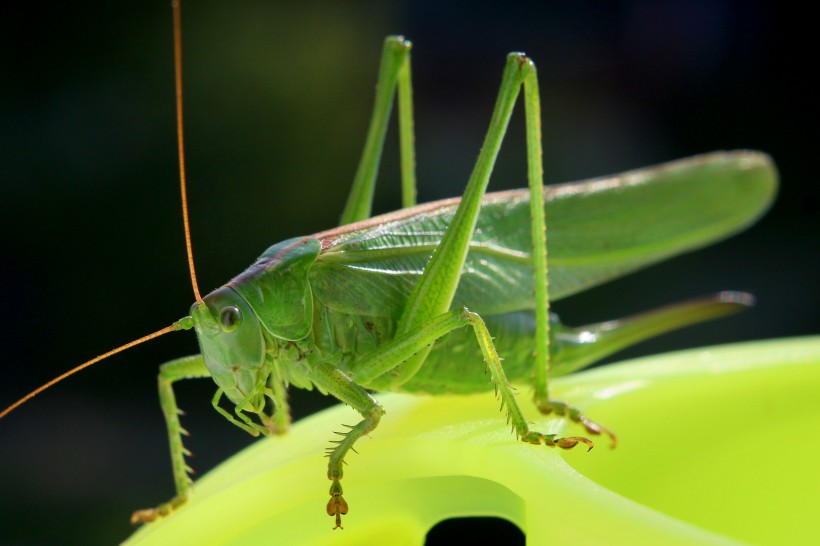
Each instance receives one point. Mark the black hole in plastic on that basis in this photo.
(475, 531)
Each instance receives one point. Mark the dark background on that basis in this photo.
(277, 101)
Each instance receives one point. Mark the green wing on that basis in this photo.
(597, 230)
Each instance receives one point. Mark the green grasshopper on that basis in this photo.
(428, 298)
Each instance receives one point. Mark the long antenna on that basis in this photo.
(185, 323)
(84, 365)
(180, 143)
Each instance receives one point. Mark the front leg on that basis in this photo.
(182, 368)
(280, 421)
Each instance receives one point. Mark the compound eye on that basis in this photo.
(230, 318)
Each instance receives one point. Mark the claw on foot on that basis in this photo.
(550, 440)
(572, 441)
(337, 505)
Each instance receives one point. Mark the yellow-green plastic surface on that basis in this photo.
(717, 446)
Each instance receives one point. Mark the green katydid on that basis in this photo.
(427, 298)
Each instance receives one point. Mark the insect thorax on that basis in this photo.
(340, 338)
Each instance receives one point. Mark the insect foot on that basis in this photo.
(150, 514)
(574, 414)
(337, 505)
(550, 440)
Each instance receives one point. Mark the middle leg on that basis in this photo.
(350, 389)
